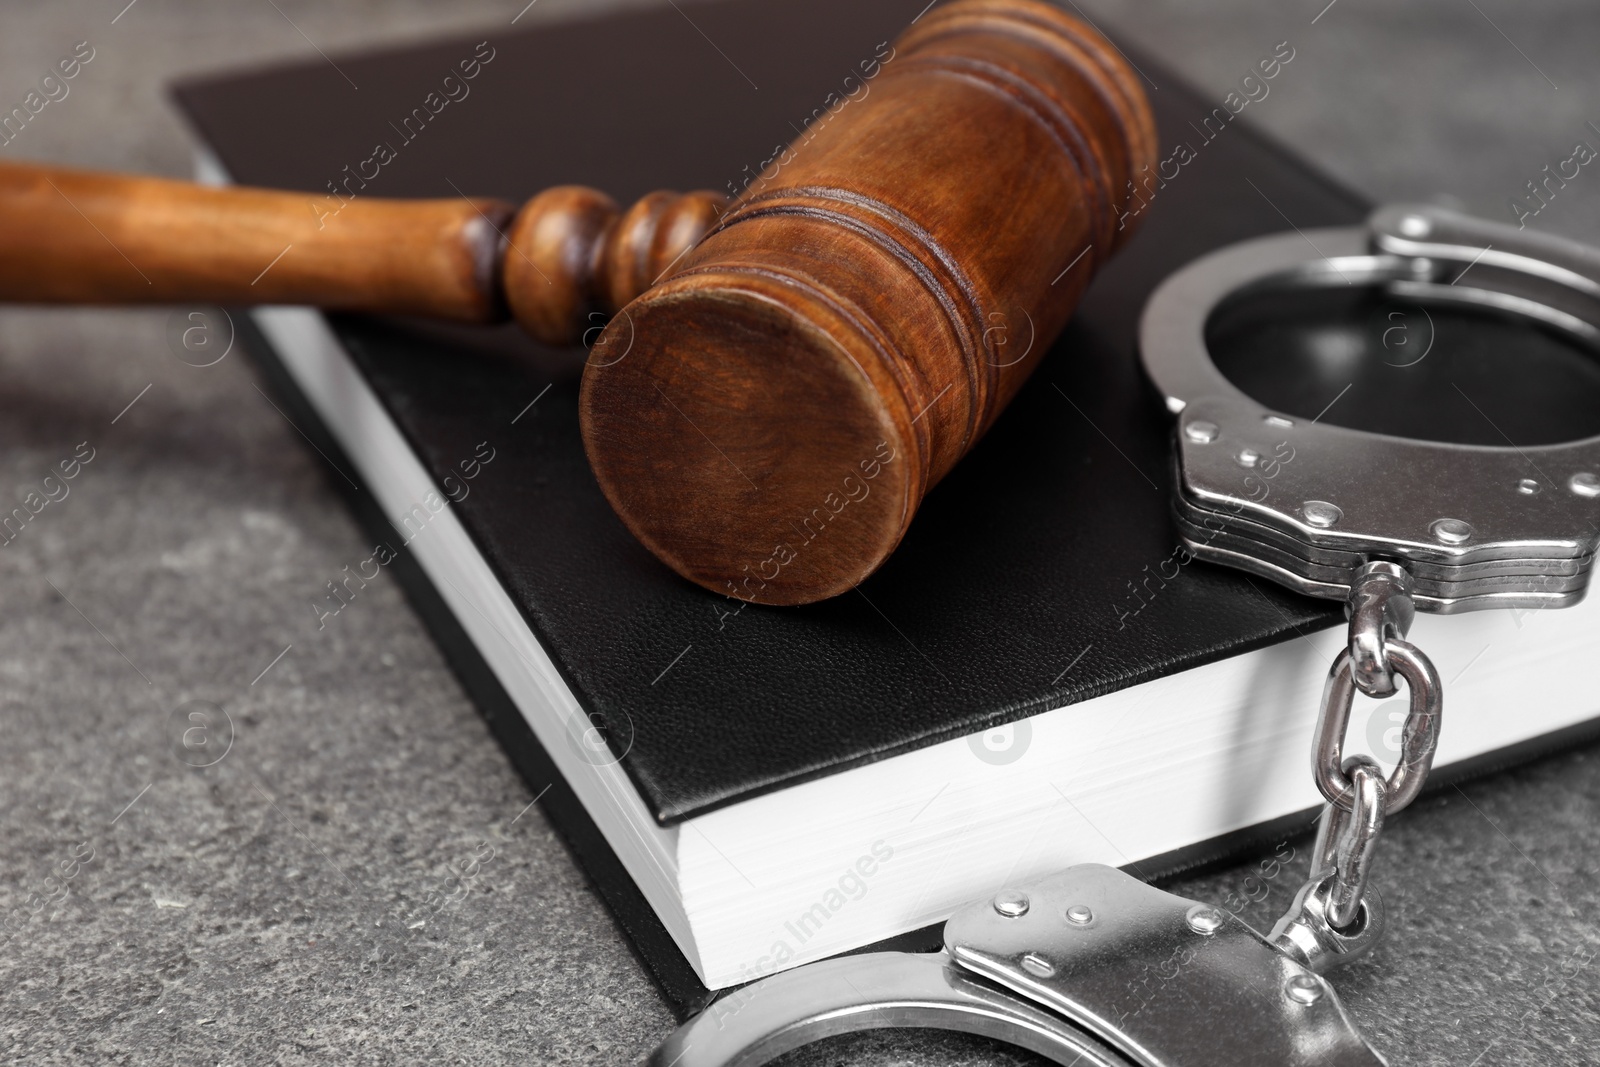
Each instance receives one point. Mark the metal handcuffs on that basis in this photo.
(1092, 966)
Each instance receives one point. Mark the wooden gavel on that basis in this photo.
(786, 376)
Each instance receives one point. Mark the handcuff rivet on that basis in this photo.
(1585, 484)
(1321, 513)
(1528, 487)
(1248, 457)
(1201, 432)
(1303, 989)
(1204, 919)
(1080, 915)
(1451, 531)
(1037, 965)
(1012, 905)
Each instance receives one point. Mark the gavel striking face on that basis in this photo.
(784, 377)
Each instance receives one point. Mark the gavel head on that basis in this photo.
(768, 419)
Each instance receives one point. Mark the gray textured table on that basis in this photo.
(248, 913)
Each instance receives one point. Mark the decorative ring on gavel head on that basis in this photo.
(572, 256)
(860, 316)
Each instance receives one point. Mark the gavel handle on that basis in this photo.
(69, 236)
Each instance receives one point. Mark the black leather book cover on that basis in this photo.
(1025, 584)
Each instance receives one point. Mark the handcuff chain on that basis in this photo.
(1358, 795)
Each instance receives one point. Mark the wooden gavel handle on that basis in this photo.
(69, 236)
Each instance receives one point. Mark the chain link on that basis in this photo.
(1347, 840)
(1419, 736)
(1380, 607)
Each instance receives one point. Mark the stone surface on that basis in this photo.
(360, 878)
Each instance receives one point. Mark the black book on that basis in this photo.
(1036, 678)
